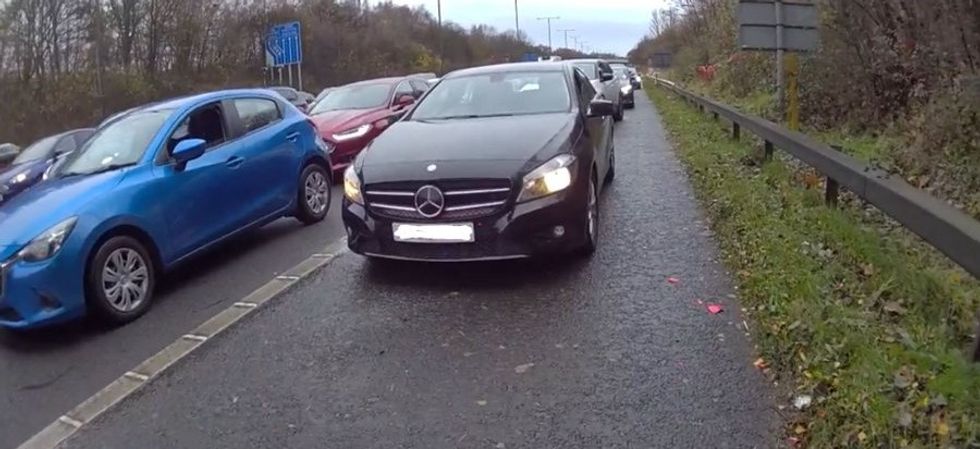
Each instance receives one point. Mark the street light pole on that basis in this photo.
(566, 35)
(517, 23)
(549, 19)
(439, 13)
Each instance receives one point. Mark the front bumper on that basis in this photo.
(343, 153)
(519, 231)
(37, 294)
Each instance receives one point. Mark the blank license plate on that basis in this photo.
(433, 233)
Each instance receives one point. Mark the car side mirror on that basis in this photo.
(187, 150)
(404, 100)
(605, 76)
(601, 108)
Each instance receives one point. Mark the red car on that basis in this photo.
(350, 116)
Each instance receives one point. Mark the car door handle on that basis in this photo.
(234, 162)
(292, 137)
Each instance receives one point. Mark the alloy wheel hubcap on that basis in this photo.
(316, 189)
(125, 279)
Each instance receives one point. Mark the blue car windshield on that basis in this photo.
(42, 149)
(119, 144)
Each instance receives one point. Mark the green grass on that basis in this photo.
(873, 325)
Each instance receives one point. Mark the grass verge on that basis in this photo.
(871, 325)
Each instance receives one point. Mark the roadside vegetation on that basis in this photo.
(870, 325)
(896, 82)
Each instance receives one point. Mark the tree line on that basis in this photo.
(70, 63)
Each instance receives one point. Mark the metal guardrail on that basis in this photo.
(952, 232)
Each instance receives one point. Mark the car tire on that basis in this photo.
(120, 280)
(618, 115)
(313, 194)
(631, 105)
(591, 218)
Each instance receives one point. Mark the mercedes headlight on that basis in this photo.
(352, 133)
(551, 177)
(352, 186)
(47, 244)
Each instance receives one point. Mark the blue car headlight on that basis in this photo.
(47, 244)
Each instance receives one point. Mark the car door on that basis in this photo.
(597, 129)
(269, 149)
(203, 196)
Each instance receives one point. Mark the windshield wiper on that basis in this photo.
(467, 116)
(103, 169)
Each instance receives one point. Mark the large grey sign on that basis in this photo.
(770, 25)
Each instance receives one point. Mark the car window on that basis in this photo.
(589, 69)
(585, 91)
(206, 122)
(122, 142)
(256, 113)
(358, 96)
(42, 149)
(65, 145)
(420, 87)
(288, 93)
(404, 88)
(604, 68)
(83, 136)
(495, 94)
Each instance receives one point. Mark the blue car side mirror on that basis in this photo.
(188, 150)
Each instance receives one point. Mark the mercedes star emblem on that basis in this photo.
(429, 201)
(431, 168)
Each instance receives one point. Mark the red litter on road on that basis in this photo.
(673, 281)
(714, 309)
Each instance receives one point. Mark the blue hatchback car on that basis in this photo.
(149, 190)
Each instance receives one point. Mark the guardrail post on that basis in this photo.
(736, 131)
(701, 108)
(833, 190)
(714, 115)
(769, 150)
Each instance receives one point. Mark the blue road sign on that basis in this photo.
(283, 45)
(529, 57)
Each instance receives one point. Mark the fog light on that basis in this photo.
(558, 231)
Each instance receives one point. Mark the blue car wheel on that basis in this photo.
(314, 194)
(120, 280)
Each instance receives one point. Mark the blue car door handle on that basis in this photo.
(234, 162)
(292, 137)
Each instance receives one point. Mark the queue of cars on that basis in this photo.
(494, 162)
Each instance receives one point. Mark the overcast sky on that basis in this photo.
(607, 25)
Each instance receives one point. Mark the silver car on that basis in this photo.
(604, 81)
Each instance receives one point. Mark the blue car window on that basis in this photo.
(256, 113)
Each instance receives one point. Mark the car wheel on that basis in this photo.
(631, 104)
(313, 195)
(618, 115)
(120, 280)
(591, 218)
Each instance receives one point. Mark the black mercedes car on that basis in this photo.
(498, 162)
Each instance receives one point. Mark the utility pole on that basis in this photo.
(549, 19)
(441, 49)
(517, 22)
(566, 35)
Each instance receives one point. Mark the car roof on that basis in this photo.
(189, 100)
(592, 60)
(541, 66)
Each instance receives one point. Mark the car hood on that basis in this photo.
(494, 147)
(342, 119)
(31, 169)
(27, 215)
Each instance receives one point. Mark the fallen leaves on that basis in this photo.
(802, 402)
(760, 364)
(673, 280)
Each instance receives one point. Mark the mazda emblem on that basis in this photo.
(429, 201)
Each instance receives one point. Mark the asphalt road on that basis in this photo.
(45, 373)
(567, 353)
